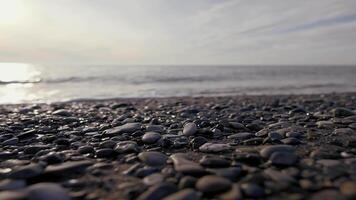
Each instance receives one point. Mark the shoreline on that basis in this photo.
(222, 147)
(78, 100)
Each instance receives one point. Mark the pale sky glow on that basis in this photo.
(178, 31)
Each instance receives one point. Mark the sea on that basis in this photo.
(31, 83)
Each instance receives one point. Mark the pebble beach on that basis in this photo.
(183, 148)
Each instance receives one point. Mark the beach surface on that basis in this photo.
(181, 148)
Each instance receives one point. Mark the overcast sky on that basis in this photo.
(178, 31)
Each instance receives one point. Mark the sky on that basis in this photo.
(241, 32)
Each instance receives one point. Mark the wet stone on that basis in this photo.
(283, 158)
(294, 134)
(27, 171)
(197, 142)
(9, 184)
(291, 141)
(86, 149)
(67, 167)
(12, 141)
(45, 191)
(187, 182)
(348, 189)
(233, 194)
(275, 136)
(268, 151)
(190, 129)
(214, 148)
(105, 153)
(214, 162)
(107, 144)
(158, 191)
(62, 112)
(241, 136)
(183, 165)
(186, 194)
(213, 184)
(328, 194)
(153, 158)
(252, 190)
(342, 112)
(231, 173)
(127, 147)
(151, 137)
(153, 179)
(155, 128)
(126, 128)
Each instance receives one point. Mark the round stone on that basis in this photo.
(214, 162)
(158, 191)
(268, 151)
(252, 190)
(190, 129)
(283, 158)
(105, 153)
(153, 179)
(213, 184)
(85, 149)
(214, 148)
(28, 171)
(198, 142)
(151, 137)
(275, 136)
(45, 191)
(241, 136)
(153, 158)
(186, 194)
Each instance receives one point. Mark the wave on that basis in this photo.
(19, 82)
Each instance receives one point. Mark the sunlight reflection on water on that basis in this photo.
(16, 82)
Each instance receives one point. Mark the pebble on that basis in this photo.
(190, 129)
(86, 149)
(342, 112)
(183, 165)
(46, 191)
(158, 191)
(348, 189)
(153, 179)
(275, 136)
(25, 172)
(197, 142)
(105, 153)
(231, 173)
(187, 182)
(186, 194)
(291, 141)
(283, 158)
(126, 128)
(10, 184)
(151, 137)
(269, 150)
(214, 148)
(62, 112)
(155, 128)
(241, 136)
(153, 158)
(213, 184)
(328, 194)
(252, 190)
(233, 194)
(67, 167)
(215, 162)
(127, 147)
(12, 141)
